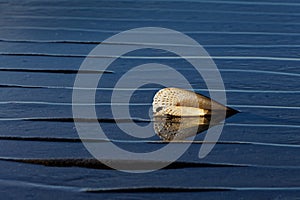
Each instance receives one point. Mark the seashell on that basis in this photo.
(183, 103)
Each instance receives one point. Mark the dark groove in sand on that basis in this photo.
(70, 119)
(103, 120)
(195, 142)
(50, 41)
(47, 55)
(20, 86)
(156, 190)
(153, 189)
(55, 71)
(75, 140)
(138, 189)
(145, 44)
(85, 120)
(126, 164)
(32, 54)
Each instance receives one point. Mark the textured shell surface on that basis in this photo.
(179, 102)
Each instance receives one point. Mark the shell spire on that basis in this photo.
(183, 103)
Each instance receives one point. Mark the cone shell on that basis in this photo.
(182, 103)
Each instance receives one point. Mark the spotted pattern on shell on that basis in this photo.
(178, 102)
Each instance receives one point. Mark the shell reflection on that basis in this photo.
(179, 128)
